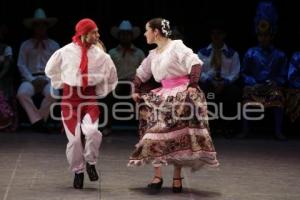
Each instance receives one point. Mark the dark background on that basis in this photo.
(191, 16)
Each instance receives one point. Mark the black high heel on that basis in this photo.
(177, 189)
(155, 187)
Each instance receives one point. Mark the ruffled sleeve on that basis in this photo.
(53, 70)
(110, 78)
(186, 57)
(144, 72)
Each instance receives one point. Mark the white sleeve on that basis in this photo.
(203, 76)
(112, 75)
(187, 58)
(144, 70)
(235, 70)
(110, 78)
(25, 72)
(53, 70)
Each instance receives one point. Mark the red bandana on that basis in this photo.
(83, 27)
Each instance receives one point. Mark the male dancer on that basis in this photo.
(83, 71)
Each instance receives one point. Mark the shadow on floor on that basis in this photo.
(167, 191)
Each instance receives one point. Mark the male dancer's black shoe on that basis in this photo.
(92, 172)
(78, 181)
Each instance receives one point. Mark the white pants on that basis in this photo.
(24, 95)
(78, 155)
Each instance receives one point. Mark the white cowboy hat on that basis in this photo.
(125, 25)
(39, 16)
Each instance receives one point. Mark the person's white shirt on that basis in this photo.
(230, 68)
(33, 56)
(126, 61)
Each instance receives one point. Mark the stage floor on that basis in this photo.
(33, 166)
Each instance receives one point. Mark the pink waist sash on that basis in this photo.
(174, 82)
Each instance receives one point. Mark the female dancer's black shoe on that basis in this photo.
(155, 187)
(177, 189)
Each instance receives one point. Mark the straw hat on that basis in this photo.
(39, 16)
(125, 25)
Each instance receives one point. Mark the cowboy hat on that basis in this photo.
(39, 16)
(125, 25)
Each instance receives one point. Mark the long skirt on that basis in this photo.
(174, 130)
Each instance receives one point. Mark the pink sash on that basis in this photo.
(174, 82)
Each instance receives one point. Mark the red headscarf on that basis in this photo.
(83, 27)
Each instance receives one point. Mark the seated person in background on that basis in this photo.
(264, 70)
(293, 91)
(126, 57)
(219, 74)
(33, 56)
(8, 114)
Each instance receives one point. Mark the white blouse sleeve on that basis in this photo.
(53, 70)
(144, 70)
(187, 58)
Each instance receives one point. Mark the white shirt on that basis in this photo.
(126, 61)
(230, 68)
(63, 67)
(33, 57)
(176, 60)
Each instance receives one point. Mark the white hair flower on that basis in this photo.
(165, 27)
